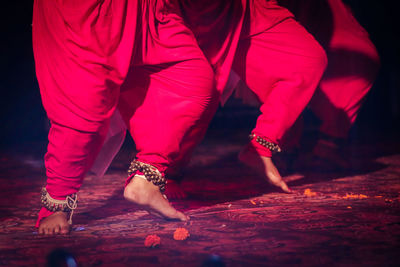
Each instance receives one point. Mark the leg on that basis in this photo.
(79, 90)
(336, 103)
(158, 128)
(161, 104)
(175, 171)
(282, 66)
(353, 63)
(349, 76)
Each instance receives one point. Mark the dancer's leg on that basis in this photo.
(282, 66)
(79, 81)
(162, 103)
(353, 63)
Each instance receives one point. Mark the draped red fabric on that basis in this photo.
(219, 25)
(85, 51)
(280, 62)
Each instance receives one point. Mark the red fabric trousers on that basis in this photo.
(353, 64)
(161, 103)
(85, 51)
(276, 57)
(82, 54)
(282, 67)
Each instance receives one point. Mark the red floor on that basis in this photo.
(353, 219)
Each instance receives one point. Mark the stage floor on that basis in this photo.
(352, 219)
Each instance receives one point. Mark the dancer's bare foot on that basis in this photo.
(173, 190)
(148, 195)
(54, 224)
(265, 167)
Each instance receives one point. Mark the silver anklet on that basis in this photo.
(151, 173)
(68, 205)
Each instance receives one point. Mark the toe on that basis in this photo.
(57, 229)
(64, 229)
(285, 188)
(182, 217)
(47, 231)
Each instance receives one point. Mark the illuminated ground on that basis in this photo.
(352, 219)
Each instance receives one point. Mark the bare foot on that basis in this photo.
(54, 224)
(173, 190)
(146, 194)
(265, 167)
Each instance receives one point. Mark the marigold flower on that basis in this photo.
(354, 196)
(181, 234)
(308, 193)
(152, 241)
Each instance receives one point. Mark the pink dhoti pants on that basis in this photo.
(282, 67)
(95, 56)
(273, 54)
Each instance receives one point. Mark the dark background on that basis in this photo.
(23, 119)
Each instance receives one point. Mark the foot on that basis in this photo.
(145, 193)
(265, 167)
(173, 190)
(54, 224)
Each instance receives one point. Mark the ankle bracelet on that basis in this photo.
(151, 173)
(68, 205)
(262, 141)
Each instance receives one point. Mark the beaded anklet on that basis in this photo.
(151, 173)
(262, 141)
(68, 205)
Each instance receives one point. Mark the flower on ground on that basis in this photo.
(308, 193)
(152, 241)
(181, 234)
(354, 196)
